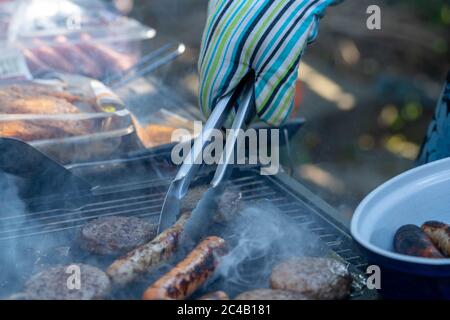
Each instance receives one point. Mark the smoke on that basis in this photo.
(12, 207)
(20, 255)
(259, 238)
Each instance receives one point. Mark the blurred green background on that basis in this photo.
(367, 95)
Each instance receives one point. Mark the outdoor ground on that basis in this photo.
(367, 95)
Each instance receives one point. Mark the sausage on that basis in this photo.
(51, 57)
(147, 257)
(108, 58)
(439, 233)
(33, 62)
(216, 295)
(77, 57)
(412, 241)
(190, 274)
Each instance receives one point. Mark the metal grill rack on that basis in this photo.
(45, 234)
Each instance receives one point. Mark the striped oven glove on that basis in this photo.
(267, 36)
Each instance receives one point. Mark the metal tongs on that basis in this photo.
(241, 99)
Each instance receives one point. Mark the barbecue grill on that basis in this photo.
(136, 186)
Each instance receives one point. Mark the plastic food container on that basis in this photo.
(66, 45)
(112, 123)
(71, 118)
(80, 37)
(414, 197)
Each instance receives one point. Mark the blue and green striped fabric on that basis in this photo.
(267, 36)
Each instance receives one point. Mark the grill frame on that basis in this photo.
(320, 218)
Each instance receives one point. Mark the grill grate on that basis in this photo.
(144, 199)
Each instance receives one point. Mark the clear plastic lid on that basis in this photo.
(31, 19)
(71, 117)
(68, 62)
(88, 38)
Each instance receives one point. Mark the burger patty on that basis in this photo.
(54, 284)
(229, 206)
(317, 278)
(271, 294)
(115, 235)
(189, 202)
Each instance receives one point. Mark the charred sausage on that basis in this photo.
(412, 241)
(439, 233)
(147, 257)
(190, 274)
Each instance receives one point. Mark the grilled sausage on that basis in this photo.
(190, 274)
(147, 257)
(412, 241)
(216, 295)
(439, 233)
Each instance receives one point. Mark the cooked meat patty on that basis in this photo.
(193, 196)
(52, 284)
(228, 206)
(115, 235)
(318, 278)
(270, 294)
